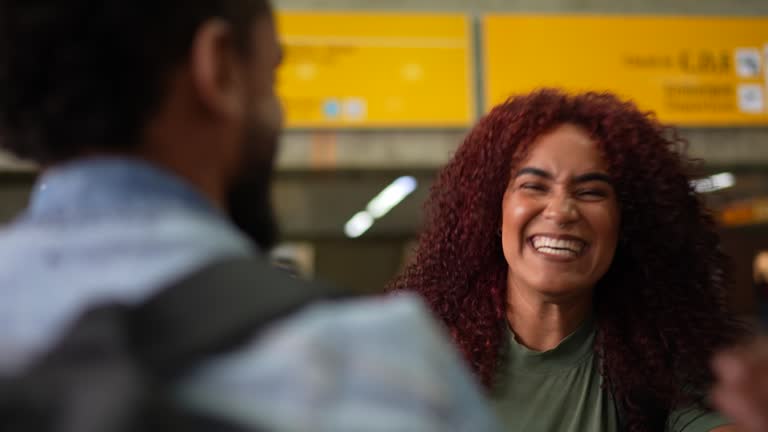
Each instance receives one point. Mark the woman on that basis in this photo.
(576, 269)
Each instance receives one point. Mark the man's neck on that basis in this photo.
(206, 182)
(541, 324)
(185, 140)
(203, 181)
(186, 157)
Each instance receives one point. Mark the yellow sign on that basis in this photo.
(692, 71)
(376, 70)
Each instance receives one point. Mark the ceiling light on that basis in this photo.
(714, 183)
(391, 196)
(380, 205)
(358, 225)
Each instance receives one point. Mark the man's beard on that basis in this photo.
(250, 196)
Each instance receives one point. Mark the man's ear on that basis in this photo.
(217, 69)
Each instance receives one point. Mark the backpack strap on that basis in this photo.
(114, 369)
(214, 310)
(618, 405)
(658, 418)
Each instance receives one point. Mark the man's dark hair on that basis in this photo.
(84, 75)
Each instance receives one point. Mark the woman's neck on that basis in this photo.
(541, 324)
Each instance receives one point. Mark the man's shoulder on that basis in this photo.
(51, 271)
(396, 318)
(115, 235)
(381, 363)
(385, 331)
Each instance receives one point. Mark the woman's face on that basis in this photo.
(560, 216)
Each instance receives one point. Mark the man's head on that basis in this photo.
(185, 84)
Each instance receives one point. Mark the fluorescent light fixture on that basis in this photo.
(380, 205)
(714, 183)
(358, 225)
(391, 196)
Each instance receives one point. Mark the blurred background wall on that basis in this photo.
(372, 158)
(326, 176)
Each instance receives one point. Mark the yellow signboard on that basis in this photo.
(693, 71)
(376, 70)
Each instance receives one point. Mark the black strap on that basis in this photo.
(214, 310)
(618, 405)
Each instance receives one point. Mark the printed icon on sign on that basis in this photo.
(306, 71)
(412, 72)
(331, 109)
(355, 109)
(748, 62)
(751, 98)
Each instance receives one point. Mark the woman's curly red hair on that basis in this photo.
(660, 309)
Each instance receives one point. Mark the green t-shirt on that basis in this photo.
(560, 391)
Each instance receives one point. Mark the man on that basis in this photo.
(741, 390)
(153, 119)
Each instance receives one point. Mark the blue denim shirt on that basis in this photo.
(118, 229)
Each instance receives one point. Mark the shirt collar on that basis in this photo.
(105, 184)
(567, 354)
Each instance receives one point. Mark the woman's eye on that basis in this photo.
(533, 187)
(591, 193)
